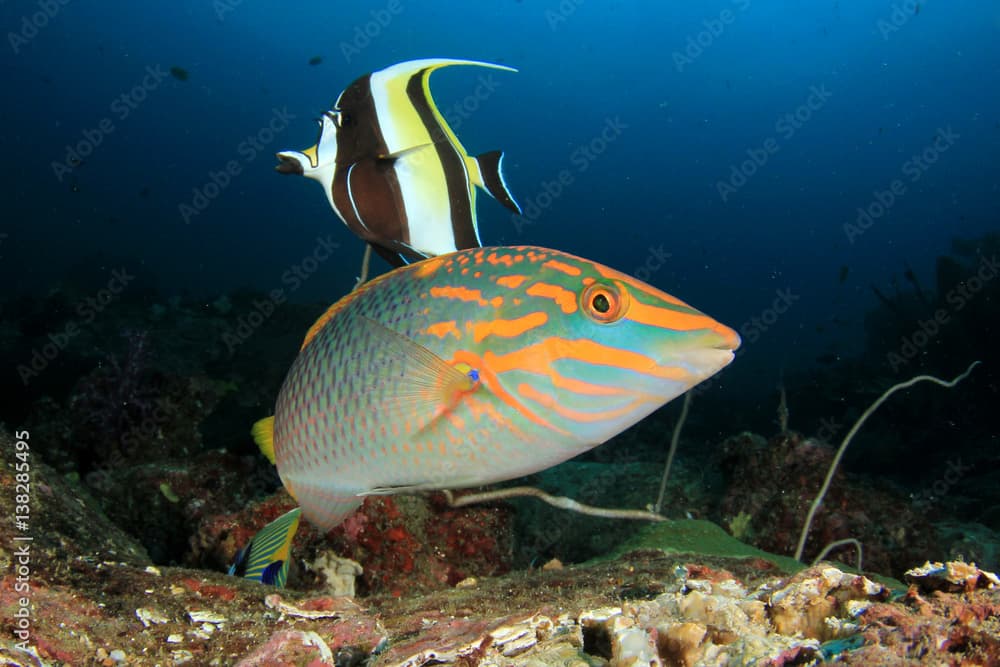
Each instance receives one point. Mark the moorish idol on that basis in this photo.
(265, 558)
(393, 169)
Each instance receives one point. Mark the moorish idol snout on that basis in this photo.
(393, 169)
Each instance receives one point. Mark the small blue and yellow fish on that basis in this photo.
(393, 169)
(266, 557)
(477, 367)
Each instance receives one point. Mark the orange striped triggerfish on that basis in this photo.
(477, 367)
(393, 169)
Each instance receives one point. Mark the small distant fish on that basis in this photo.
(844, 271)
(144, 193)
(394, 171)
(477, 367)
(266, 557)
(916, 9)
(316, 60)
(179, 73)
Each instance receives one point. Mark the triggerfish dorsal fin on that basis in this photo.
(486, 171)
(263, 435)
(266, 557)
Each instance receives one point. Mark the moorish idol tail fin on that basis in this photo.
(487, 172)
(266, 557)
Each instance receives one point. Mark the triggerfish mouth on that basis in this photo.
(477, 367)
(393, 169)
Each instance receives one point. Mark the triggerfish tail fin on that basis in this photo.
(266, 557)
(486, 171)
(263, 435)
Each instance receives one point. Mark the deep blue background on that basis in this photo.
(655, 185)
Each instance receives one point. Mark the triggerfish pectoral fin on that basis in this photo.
(266, 557)
(423, 386)
(487, 173)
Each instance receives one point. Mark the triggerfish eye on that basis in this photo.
(604, 302)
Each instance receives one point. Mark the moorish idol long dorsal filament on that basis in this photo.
(393, 169)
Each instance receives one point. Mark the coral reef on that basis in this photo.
(774, 482)
(406, 545)
(653, 607)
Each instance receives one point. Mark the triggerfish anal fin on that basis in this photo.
(394, 171)
(266, 557)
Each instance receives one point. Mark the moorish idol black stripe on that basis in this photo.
(393, 169)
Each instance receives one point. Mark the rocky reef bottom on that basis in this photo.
(76, 589)
(644, 606)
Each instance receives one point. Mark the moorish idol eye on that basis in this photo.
(604, 303)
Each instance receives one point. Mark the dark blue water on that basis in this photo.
(738, 137)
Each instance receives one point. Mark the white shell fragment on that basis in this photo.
(149, 616)
(206, 616)
(275, 602)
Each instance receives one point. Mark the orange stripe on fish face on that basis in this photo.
(505, 259)
(442, 329)
(563, 267)
(540, 355)
(511, 281)
(560, 381)
(459, 293)
(508, 328)
(487, 376)
(668, 318)
(551, 403)
(564, 298)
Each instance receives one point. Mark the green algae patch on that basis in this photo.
(697, 537)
